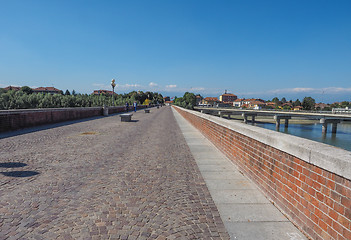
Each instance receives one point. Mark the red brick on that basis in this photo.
(332, 233)
(339, 179)
(320, 196)
(339, 208)
(347, 234)
(335, 196)
(333, 214)
(348, 213)
(338, 228)
(344, 221)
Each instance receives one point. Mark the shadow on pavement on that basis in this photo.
(20, 173)
(12, 165)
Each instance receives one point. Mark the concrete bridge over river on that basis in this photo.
(159, 177)
(325, 118)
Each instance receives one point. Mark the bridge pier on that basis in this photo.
(252, 115)
(325, 122)
(222, 113)
(205, 111)
(277, 120)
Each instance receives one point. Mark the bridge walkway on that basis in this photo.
(245, 211)
(101, 178)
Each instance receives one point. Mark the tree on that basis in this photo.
(27, 90)
(276, 101)
(283, 100)
(187, 101)
(74, 92)
(308, 103)
(67, 92)
(297, 103)
(345, 104)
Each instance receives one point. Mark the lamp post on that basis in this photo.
(113, 84)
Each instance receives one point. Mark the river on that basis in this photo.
(341, 139)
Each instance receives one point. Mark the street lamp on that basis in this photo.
(113, 84)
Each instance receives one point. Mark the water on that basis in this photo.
(341, 139)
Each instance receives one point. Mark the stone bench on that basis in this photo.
(147, 110)
(126, 117)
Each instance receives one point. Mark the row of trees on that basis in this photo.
(308, 103)
(24, 99)
(187, 101)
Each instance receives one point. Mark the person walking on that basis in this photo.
(135, 106)
(127, 106)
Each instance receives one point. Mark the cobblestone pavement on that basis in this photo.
(105, 179)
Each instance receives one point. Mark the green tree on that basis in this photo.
(283, 100)
(276, 101)
(345, 104)
(297, 103)
(67, 92)
(26, 90)
(308, 103)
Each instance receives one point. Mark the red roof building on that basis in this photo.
(98, 92)
(12, 88)
(227, 98)
(50, 90)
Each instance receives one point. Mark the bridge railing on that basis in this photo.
(22, 118)
(309, 181)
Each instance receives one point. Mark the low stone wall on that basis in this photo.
(17, 119)
(306, 180)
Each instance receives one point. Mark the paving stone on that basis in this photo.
(129, 180)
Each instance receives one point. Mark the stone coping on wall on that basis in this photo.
(14, 111)
(48, 110)
(325, 156)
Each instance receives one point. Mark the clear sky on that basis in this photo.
(252, 48)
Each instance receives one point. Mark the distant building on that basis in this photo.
(167, 103)
(209, 101)
(270, 104)
(198, 99)
(321, 106)
(106, 92)
(227, 97)
(166, 99)
(12, 88)
(253, 103)
(297, 108)
(238, 102)
(50, 90)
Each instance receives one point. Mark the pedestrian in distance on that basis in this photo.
(127, 107)
(135, 106)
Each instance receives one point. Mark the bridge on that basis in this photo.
(325, 118)
(170, 174)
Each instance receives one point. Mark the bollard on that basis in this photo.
(105, 111)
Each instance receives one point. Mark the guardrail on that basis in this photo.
(309, 181)
(22, 118)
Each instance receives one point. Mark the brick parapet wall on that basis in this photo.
(17, 119)
(316, 199)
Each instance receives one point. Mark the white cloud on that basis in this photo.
(197, 89)
(126, 86)
(312, 90)
(130, 85)
(171, 86)
(152, 84)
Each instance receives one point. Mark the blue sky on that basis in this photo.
(251, 48)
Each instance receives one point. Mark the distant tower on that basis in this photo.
(225, 91)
